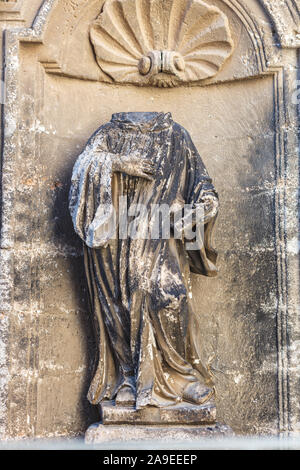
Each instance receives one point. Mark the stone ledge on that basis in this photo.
(181, 414)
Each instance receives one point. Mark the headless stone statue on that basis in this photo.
(139, 287)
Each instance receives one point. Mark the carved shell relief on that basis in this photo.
(160, 42)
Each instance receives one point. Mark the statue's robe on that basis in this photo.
(140, 288)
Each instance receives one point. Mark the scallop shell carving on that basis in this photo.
(160, 42)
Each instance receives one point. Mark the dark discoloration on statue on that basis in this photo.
(149, 353)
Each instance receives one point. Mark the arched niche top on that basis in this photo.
(284, 16)
(260, 29)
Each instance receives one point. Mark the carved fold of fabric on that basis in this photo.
(105, 374)
(199, 184)
(91, 197)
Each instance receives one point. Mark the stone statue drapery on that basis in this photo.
(140, 288)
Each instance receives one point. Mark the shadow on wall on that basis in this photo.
(238, 309)
(70, 244)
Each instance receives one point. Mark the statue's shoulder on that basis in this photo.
(178, 128)
(100, 133)
(180, 131)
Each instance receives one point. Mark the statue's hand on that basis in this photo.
(211, 205)
(134, 165)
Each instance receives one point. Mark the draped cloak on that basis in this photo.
(140, 288)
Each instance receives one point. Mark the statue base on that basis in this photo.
(183, 413)
(101, 434)
(183, 423)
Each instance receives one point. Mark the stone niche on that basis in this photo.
(244, 123)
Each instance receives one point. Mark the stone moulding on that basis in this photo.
(10, 10)
(159, 42)
(284, 143)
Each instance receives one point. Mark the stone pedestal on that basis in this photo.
(181, 423)
(111, 434)
(181, 414)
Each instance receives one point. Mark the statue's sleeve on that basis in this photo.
(199, 188)
(90, 197)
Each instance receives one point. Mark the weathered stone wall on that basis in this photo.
(245, 125)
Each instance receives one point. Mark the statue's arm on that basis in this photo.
(98, 149)
(92, 181)
(200, 198)
(133, 165)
